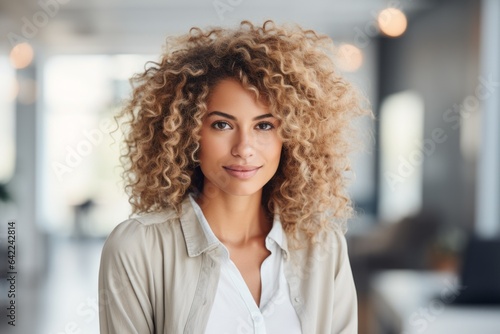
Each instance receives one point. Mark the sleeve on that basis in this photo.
(124, 282)
(345, 310)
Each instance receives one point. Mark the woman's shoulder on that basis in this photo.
(330, 238)
(318, 261)
(144, 220)
(138, 234)
(329, 246)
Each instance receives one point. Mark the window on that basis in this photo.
(8, 92)
(402, 153)
(81, 184)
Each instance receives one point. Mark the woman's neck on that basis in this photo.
(236, 220)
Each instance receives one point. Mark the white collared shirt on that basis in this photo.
(234, 309)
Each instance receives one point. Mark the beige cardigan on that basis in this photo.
(159, 274)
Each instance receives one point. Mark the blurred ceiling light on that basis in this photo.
(21, 55)
(349, 57)
(392, 22)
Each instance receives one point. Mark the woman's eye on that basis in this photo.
(265, 126)
(221, 125)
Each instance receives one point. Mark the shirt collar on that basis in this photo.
(200, 237)
(278, 234)
(197, 241)
(209, 234)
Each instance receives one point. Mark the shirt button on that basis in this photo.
(297, 300)
(257, 318)
(285, 256)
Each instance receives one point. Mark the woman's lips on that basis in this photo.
(242, 172)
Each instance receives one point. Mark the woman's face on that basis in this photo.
(239, 147)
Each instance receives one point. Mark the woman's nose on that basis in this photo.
(243, 145)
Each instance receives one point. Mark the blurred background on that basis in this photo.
(424, 245)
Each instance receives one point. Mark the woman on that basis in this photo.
(235, 159)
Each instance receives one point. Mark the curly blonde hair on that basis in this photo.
(292, 69)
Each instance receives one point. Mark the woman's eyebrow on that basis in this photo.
(231, 117)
